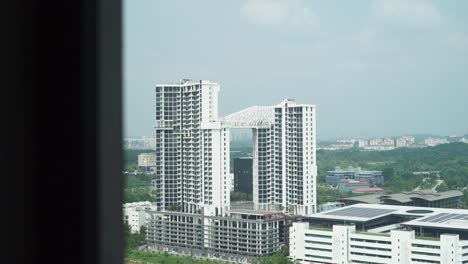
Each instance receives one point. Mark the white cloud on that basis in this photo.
(406, 12)
(276, 12)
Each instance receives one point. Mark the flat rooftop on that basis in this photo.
(404, 197)
(252, 212)
(439, 218)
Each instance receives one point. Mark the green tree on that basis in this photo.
(280, 257)
(388, 173)
(442, 187)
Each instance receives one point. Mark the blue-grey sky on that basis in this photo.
(372, 67)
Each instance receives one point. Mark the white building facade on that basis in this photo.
(431, 141)
(384, 234)
(284, 160)
(192, 149)
(343, 244)
(137, 214)
(147, 160)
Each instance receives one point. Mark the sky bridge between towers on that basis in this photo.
(252, 117)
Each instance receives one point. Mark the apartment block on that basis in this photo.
(136, 214)
(239, 236)
(284, 160)
(192, 149)
(147, 160)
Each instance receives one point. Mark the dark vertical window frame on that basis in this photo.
(61, 112)
(110, 53)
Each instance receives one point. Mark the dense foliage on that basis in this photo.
(397, 165)
(139, 194)
(135, 256)
(281, 257)
(138, 188)
(327, 194)
(138, 180)
(238, 196)
(133, 240)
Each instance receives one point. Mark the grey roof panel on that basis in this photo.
(360, 212)
(427, 219)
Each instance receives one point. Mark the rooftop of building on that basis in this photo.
(351, 169)
(404, 197)
(370, 189)
(293, 103)
(252, 212)
(438, 218)
(184, 82)
(138, 204)
(254, 116)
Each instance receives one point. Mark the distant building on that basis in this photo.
(147, 161)
(346, 185)
(362, 143)
(243, 175)
(136, 214)
(367, 190)
(145, 142)
(431, 141)
(401, 143)
(375, 141)
(380, 148)
(380, 144)
(453, 138)
(346, 141)
(330, 206)
(372, 178)
(448, 199)
(404, 141)
(388, 142)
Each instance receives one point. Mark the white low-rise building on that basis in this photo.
(136, 214)
(147, 160)
(431, 141)
(368, 233)
(404, 141)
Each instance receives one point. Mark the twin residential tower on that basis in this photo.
(192, 152)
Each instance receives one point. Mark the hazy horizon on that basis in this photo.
(373, 68)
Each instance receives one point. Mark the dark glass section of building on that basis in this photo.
(243, 175)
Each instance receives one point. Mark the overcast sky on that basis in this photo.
(372, 67)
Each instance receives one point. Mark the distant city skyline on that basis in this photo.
(372, 68)
(239, 134)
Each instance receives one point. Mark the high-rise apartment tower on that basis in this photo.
(284, 160)
(192, 149)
